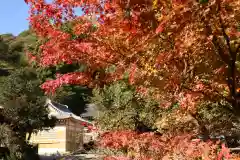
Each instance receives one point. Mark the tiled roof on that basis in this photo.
(62, 111)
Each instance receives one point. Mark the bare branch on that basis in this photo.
(226, 37)
(237, 50)
(225, 58)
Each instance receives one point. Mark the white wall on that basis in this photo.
(51, 141)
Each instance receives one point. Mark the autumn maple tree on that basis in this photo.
(178, 51)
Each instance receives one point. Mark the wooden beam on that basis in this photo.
(235, 149)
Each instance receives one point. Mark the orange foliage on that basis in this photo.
(177, 49)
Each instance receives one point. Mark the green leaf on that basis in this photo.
(203, 1)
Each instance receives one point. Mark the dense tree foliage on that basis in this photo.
(74, 96)
(22, 99)
(181, 53)
(13, 48)
(121, 107)
(24, 109)
(13, 55)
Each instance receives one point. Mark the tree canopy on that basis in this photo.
(12, 50)
(182, 53)
(121, 107)
(24, 111)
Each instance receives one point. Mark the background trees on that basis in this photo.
(22, 99)
(121, 107)
(24, 110)
(74, 96)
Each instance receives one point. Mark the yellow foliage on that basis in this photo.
(155, 2)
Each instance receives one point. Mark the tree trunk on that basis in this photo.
(203, 130)
(29, 136)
